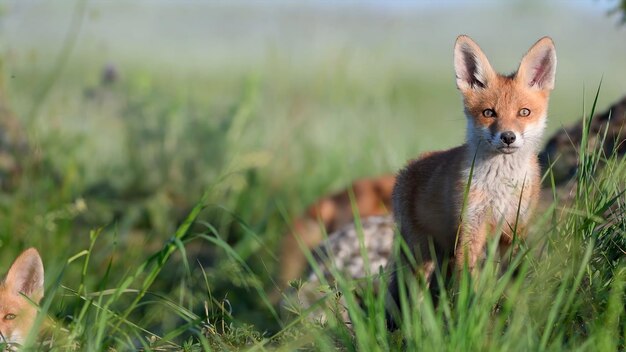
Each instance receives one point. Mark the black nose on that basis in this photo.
(508, 137)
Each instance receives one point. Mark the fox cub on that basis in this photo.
(329, 214)
(17, 314)
(447, 203)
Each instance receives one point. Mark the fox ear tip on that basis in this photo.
(463, 38)
(546, 40)
(31, 251)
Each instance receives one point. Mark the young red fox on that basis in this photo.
(506, 116)
(372, 197)
(17, 315)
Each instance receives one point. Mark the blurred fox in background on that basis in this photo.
(372, 197)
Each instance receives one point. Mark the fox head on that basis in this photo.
(17, 314)
(506, 114)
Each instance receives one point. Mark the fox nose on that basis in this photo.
(507, 137)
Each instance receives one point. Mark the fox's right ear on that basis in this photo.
(26, 275)
(472, 68)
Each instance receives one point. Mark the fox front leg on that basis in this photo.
(508, 247)
(470, 246)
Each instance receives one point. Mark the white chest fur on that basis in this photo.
(499, 190)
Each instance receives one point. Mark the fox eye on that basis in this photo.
(489, 113)
(524, 112)
(10, 316)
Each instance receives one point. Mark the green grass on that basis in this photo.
(132, 262)
(158, 202)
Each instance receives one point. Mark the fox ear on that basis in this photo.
(538, 67)
(26, 275)
(472, 68)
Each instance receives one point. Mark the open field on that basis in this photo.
(235, 117)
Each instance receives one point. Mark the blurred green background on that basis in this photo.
(131, 110)
(316, 67)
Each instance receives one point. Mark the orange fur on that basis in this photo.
(17, 315)
(500, 152)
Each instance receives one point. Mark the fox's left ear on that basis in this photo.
(26, 275)
(538, 67)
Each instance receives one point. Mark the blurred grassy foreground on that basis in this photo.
(134, 110)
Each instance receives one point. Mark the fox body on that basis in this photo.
(17, 314)
(447, 203)
(372, 197)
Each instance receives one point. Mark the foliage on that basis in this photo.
(621, 8)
